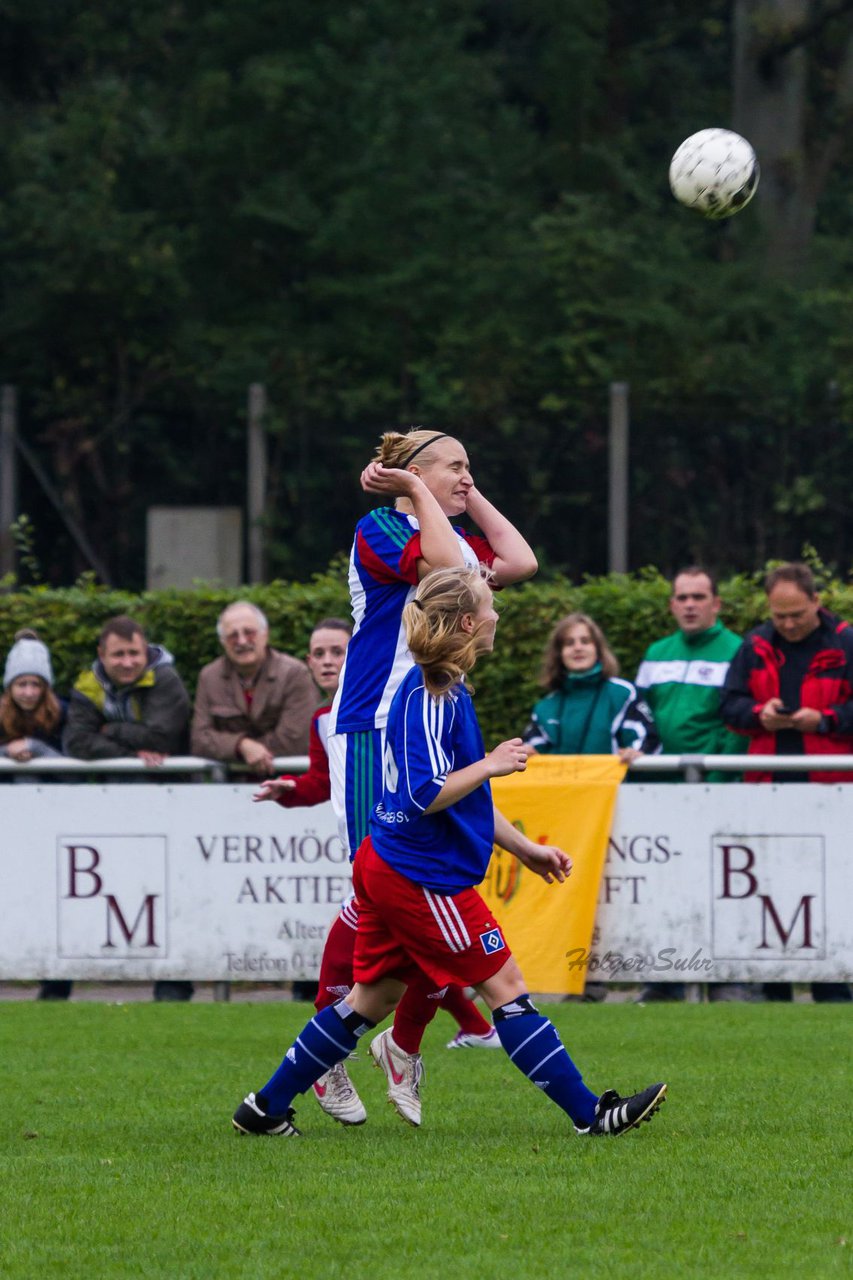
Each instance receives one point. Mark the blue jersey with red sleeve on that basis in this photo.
(426, 739)
(383, 576)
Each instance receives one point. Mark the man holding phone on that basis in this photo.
(789, 685)
(790, 689)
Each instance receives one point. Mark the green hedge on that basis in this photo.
(632, 609)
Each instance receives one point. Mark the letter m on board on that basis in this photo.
(144, 921)
(770, 915)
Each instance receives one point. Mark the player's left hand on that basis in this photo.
(547, 861)
(273, 788)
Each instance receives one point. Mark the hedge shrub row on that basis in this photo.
(632, 609)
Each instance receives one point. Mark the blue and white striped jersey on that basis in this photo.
(426, 739)
(383, 576)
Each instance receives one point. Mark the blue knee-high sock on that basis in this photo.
(323, 1042)
(534, 1046)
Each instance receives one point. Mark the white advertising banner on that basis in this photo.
(701, 883)
(716, 883)
(159, 881)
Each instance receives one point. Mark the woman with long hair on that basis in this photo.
(431, 838)
(31, 715)
(588, 709)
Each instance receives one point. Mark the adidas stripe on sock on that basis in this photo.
(322, 1043)
(534, 1046)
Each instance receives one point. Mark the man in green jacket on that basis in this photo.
(681, 677)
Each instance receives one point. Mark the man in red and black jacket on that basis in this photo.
(790, 685)
(790, 688)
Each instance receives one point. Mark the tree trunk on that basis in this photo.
(775, 43)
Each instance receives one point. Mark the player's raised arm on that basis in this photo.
(439, 545)
(514, 559)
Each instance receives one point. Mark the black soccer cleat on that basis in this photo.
(249, 1118)
(615, 1115)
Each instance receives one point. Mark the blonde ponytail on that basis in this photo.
(433, 622)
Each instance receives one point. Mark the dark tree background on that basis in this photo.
(453, 213)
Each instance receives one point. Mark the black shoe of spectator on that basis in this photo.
(661, 993)
(831, 993)
(779, 992)
(173, 990)
(733, 992)
(304, 990)
(55, 989)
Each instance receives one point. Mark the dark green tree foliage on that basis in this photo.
(453, 213)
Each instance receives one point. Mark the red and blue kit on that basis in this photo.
(414, 875)
(383, 575)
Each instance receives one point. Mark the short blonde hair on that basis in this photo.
(433, 622)
(396, 448)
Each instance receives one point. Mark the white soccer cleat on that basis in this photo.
(336, 1094)
(469, 1040)
(403, 1072)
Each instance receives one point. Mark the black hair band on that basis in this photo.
(442, 435)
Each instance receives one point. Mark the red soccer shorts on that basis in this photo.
(403, 927)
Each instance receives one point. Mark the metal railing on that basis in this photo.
(693, 767)
(215, 770)
(696, 767)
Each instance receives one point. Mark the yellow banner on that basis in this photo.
(567, 801)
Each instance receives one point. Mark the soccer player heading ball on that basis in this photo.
(430, 841)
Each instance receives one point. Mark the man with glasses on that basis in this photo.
(252, 703)
(789, 691)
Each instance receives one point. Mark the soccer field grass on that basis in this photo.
(118, 1156)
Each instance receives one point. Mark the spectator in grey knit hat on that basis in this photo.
(31, 718)
(31, 715)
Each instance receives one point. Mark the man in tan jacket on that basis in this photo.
(253, 703)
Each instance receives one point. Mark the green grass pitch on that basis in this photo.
(118, 1157)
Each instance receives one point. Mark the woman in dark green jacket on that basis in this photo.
(588, 709)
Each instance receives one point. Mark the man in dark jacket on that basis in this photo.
(130, 702)
(790, 689)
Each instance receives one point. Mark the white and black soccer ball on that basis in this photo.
(714, 171)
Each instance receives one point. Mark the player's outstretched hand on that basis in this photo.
(273, 788)
(507, 757)
(547, 861)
